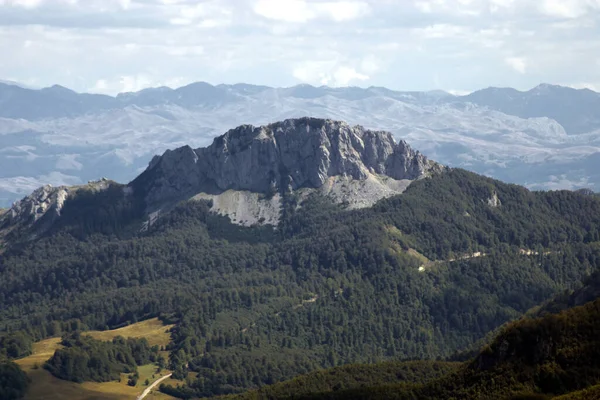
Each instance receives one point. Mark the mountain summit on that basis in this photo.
(246, 171)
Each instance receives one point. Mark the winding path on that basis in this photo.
(149, 388)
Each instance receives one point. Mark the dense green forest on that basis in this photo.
(418, 276)
(86, 359)
(353, 376)
(15, 345)
(535, 358)
(13, 381)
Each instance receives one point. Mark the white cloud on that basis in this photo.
(439, 31)
(205, 15)
(343, 76)
(425, 6)
(182, 51)
(370, 64)
(568, 8)
(134, 83)
(303, 11)
(501, 5)
(398, 44)
(100, 86)
(344, 10)
(458, 92)
(517, 63)
(29, 4)
(327, 73)
(126, 83)
(284, 10)
(458, 7)
(101, 5)
(477, 8)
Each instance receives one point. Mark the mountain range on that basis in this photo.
(544, 138)
(304, 244)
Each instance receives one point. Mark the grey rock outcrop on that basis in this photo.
(494, 200)
(37, 212)
(281, 157)
(44, 201)
(33, 214)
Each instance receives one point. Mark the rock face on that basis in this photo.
(279, 158)
(494, 201)
(47, 200)
(42, 207)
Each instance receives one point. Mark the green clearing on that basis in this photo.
(44, 386)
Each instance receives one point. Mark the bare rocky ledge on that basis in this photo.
(246, 171)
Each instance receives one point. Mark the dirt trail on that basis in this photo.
(149, 388)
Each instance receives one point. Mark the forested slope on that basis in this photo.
(530, 359)
(354, 376)
(420, 275)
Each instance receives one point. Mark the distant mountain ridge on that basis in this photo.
(575, 109)
(57, 136)
(58, 101)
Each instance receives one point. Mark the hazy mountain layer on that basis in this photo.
(57, 136)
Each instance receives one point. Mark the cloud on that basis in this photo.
(344, 10)
(304, 11)
(113, 45)
(185, 51)
(81, 4)
(122, 84)
(205, 15)
(568, 8)
(343, 76)
(327, 73)
(458, 92)
(517, 63)
(29, 4)
(100, 87)
(134, 83)
(439, 31)
(370, 64)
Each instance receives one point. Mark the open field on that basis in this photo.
(153, 330)
(45, 386)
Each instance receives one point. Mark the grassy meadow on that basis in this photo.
(44, 386)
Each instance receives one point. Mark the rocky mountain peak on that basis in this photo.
(303, 153)
(42, 207)
(44, 200)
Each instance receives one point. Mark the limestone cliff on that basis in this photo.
(351, 164)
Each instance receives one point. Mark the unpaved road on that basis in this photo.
(149, 388)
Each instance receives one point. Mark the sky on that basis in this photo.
(112, 46)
